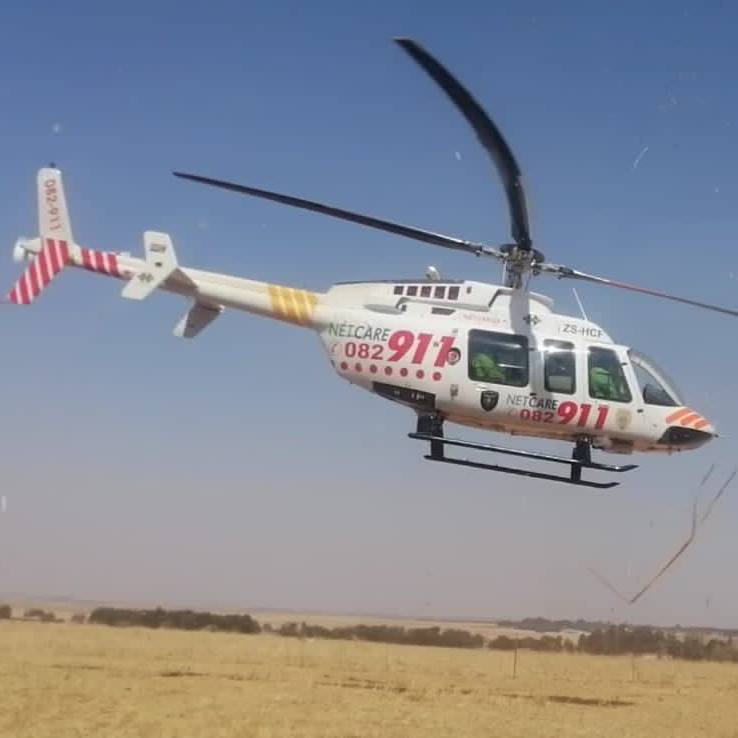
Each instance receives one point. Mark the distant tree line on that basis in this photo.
(543, 625)
(178, 619)
(36, 613)
(618, 640)
(31, 613)
(622, 639)
(431, 636)
(609, 640)
(603, 640)
(555, 644)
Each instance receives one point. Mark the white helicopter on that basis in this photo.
(495, 357)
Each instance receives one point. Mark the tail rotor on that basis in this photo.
(52, 251)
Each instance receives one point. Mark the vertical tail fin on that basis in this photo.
(53, 216)
(52, 251)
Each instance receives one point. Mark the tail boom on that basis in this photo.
(286, 304)
(53, 257)
(101, 262)
(210, 292)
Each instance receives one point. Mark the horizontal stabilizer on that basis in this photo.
(196, 320)
(161, 263)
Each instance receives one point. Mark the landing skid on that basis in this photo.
(580, 460)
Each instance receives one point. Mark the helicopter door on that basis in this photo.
(612, 386)
(496, 367)
(590, 388)
(606, 376)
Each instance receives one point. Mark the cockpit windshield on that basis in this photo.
(656, 387)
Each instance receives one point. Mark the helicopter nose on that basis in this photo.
(687, 429)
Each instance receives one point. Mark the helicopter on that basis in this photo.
(495, 357)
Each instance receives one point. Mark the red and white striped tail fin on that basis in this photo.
(53, 250)
(53, 257)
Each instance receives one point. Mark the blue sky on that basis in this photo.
(236, 469)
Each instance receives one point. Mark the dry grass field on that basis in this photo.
(63, 680)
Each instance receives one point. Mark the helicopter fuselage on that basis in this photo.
(427, 345)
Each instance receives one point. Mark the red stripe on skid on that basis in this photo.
(99, 261)
(87, 259)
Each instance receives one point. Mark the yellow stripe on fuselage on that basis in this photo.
(291, 305)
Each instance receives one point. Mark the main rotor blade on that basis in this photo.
(437, 239)
(565, 272)
(487, 133)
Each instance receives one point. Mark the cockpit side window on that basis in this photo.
(498, 358)
(655, 388)
(606, 377)
(559, 367)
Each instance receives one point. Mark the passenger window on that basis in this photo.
(398, 289)
(498, 358)
(425, 291)
(439, 293)
(559, 367)
(606, 377)
(453, 293)
(412, 291)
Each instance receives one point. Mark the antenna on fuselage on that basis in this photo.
(579, 302)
